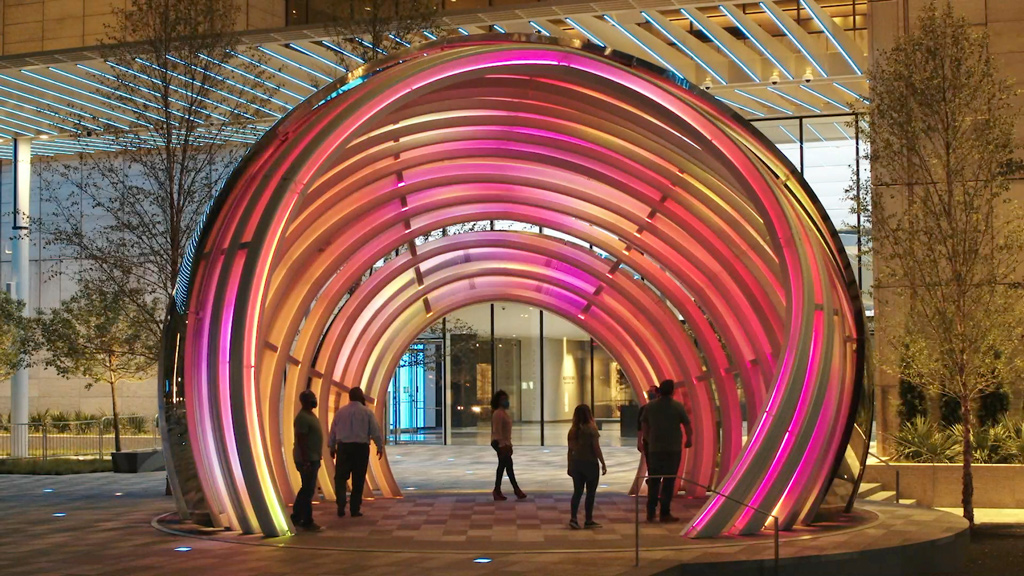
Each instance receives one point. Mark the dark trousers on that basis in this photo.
(302, 510)
(353, 459)
(504, 465)
(662, 464)
(584, 474)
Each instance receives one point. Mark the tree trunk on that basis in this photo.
(968, 477)
(117, 418)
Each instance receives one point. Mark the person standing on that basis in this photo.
(353, 427)
(584, 454)
(307, 451)
(661, 430)
(641, 444)
(501, 441)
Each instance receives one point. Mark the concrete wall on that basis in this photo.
(887, 19)
(939, 485)
(42, 25)
(50, 282)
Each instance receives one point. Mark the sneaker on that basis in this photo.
(356, 514)
(668, 518)
(574, 524)
(312, 527)
(591, 524)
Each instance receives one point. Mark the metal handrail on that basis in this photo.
(895, 469)
(775, 523)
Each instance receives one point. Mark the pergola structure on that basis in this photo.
(771, 58)
(713, 264)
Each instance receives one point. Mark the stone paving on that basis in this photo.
(441, 529)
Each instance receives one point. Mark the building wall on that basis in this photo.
(887, 19)
(42, 25)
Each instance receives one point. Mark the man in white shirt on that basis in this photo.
(353, 427)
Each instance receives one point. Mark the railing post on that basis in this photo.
(776, 526)
(99, 431)
(897, 485)
(44, 441)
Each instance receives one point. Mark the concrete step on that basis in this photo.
(868, 489)
(883, 496)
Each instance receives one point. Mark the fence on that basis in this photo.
(81, 438)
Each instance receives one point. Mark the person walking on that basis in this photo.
(501, 441)
(307, 452)
(661, 430)
(353, 427)
(584, 454)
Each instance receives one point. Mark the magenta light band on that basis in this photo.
(658, 181)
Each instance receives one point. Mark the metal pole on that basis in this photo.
(44, 441)
(636, 523)
(857, 192)
(801, 146)
(21, 239)
(776, 525)
(541, 377)
(445, 380)
(897, 485)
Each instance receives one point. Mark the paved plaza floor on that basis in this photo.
(105, 524)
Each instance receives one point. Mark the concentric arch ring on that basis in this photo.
(691, 214)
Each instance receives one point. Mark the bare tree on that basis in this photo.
(183, 97)
(369, 29)
(947, 238)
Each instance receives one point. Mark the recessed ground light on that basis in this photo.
(47, 489)
(546, 451)
(603, 486)
(451, 459)
(469, 471)
(118, 493)
(59, 514)
(482, 560)
(411, 488)
(182, 548)
(397, 456)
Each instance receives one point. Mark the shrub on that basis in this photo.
(950, 410)
(922, 441)
(56, 466)
(993, 406)
(913, 402)
(60, 422)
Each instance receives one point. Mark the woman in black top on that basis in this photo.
(584, 454)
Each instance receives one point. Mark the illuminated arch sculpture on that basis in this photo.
(666, 184)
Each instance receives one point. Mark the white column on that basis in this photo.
(20, 267)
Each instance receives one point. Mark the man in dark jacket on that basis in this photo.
(662, 422)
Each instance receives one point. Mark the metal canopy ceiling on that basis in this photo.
(754, 56)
